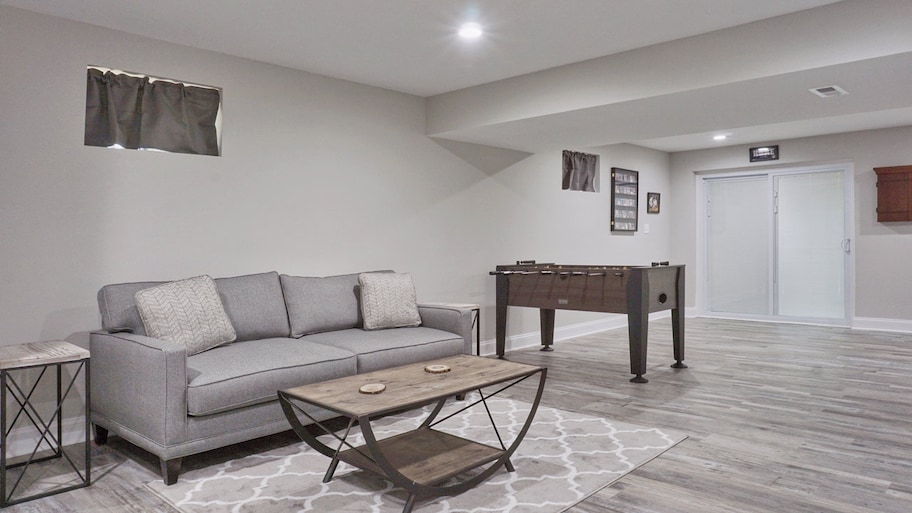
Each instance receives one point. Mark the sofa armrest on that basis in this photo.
(139, 385)
(448, 317)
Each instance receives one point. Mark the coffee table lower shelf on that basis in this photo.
(425, 456)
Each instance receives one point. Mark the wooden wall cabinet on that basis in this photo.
(894, 193)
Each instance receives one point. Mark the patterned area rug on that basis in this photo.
(564, 458)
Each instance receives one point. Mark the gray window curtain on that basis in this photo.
(580, 171)
(135, 112)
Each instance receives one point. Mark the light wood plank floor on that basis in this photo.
(780, 418)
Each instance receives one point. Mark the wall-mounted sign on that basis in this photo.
(764, 153)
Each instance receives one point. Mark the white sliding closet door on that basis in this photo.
(811, 245)
(738, 230)
(777, 245)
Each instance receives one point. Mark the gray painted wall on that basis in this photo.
(536, 220)
(318, 176)
(882, 281)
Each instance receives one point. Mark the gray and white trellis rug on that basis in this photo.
(564, 458)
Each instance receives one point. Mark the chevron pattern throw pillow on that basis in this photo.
(388, 300)
(188, 311)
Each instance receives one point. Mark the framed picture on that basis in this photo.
(761, 153)
(653, 202)
(624, 186)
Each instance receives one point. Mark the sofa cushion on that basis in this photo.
(382, 349)
(321, 304)
(187, 311)
(255, 305)
(388, 300)
(248, 373)
(117, 304)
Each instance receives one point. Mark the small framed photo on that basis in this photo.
(653, 202)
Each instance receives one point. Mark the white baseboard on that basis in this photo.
(880, 324)
(22, 440)
(533, 339)
(525, 340)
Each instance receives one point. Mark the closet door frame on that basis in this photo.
(702, 271)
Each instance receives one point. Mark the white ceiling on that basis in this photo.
(411, 46)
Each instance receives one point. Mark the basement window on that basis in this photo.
(140, 112)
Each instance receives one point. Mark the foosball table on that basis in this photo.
(634, 290)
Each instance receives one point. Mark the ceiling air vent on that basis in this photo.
(829, 91)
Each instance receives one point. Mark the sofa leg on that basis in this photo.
(170, 469)
(101, 435)
(460, 397)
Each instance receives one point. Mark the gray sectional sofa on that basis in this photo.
(290, 331)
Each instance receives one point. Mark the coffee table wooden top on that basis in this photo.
(409, 385)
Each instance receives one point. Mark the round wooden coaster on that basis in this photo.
(372, 388)
(437, 369)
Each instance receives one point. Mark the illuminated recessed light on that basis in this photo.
(720, 137)
(470, 30)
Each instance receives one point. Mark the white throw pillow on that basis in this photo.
(188, 311)
(388, 301)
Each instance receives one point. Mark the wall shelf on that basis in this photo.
(894, 193)
(624, 199)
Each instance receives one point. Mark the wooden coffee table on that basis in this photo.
(425, 462)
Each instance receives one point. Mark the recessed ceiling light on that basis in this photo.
(720, 137)
(470, 30)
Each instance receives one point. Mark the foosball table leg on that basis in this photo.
(500, 312)
(547, 328)
(677, 322)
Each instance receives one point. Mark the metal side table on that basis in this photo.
(476, 319)
(39, 357)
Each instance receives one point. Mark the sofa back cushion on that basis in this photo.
(316, 305)
(117, 305)
(254, 304)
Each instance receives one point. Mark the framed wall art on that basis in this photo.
(624, 194)
(653, 202)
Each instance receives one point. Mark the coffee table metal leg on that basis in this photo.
(289, 408)
(331, 470)
(335, 459)
(433, 415)
(409, 504)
